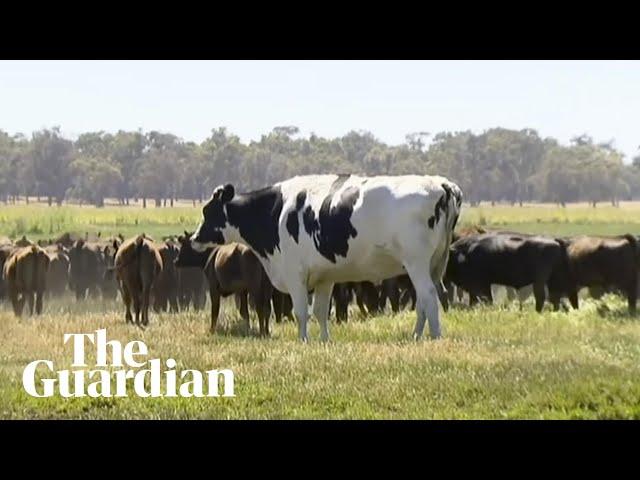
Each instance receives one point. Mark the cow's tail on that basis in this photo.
(453, 206)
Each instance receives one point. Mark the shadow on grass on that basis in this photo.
(617, 314)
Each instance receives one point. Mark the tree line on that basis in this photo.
(498, 165)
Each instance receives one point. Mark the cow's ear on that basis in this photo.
(115, 245)
(227, 193)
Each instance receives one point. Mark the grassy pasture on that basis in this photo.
(492, 362)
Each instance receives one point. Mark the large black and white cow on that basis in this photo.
(312, 231)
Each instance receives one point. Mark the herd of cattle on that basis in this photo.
(170, 276)
(269, 251)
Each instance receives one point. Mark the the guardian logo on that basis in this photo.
(40, 379)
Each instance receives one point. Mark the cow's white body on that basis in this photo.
(391, 218)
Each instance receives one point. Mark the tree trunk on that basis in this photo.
(144, 202)
(171, 202)
(158, 202)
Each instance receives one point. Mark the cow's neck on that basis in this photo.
(252, 219)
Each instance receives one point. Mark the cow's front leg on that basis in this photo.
(321, 300)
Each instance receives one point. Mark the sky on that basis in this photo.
(330, 98)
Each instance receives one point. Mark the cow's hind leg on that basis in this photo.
(321, 299)
(300, 300)
(39, 297)
(215, 308)
(30, 300)
(277, 301)
(146, 297)
(394, 298)
(539, 294)
(427, 307)
(135, 296)
(243, 306)
(262, 300)
(632, 296)
(17, 301)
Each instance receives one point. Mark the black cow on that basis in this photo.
(513, 260)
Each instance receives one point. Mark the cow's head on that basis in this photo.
(214, 222)
(187, 256)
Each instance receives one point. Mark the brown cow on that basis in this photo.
(165, 289)
(137, 264)
(108, 283)
(398, 290)
(367, 297)
(86, 268)
(25, 272)
(231, 269)
(605, 263)
(191, 288)
(234, 268)
(6, 250)
(24, 242)
(58, 271)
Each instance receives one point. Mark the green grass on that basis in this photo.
(492, 362)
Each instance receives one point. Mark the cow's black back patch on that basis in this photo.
(256, 215)
(293, 226)
(332, 228)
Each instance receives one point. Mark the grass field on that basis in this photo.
(492, 362)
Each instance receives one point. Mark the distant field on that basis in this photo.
(492, 362)
(38, 220)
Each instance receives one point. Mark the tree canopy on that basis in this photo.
(497, 165)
